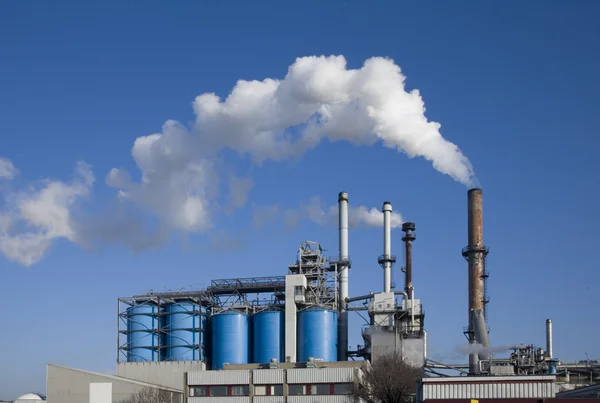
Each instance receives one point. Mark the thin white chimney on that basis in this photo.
(387, 246)
(549, 338)
(344, 265)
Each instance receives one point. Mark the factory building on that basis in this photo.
(284, 338)
(294, 383)
(68, 385)
(485, 387)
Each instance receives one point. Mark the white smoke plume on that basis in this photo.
(277, 119)
(316, 211)
(31, 220)
(182, 167)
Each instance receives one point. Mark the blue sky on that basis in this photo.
(513, 85)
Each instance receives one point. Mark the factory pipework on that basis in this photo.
(408, 238)
(344, 265)
(549, 338)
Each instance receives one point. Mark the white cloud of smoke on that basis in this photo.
(278, 119)
(274, 119)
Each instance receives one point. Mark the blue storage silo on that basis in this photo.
(142, 333)
(183, 332)
(230, 334)
(317, 335)
(267, 336)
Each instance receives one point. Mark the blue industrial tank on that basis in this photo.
(183, 331)
(230, 334)
(267, 336)
(317, 335)
(142, 335)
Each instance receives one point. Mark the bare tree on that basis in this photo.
(388, 380)
(152, 395)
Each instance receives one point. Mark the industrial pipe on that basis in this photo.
(344, 265)
(549, 338)
(387, 246)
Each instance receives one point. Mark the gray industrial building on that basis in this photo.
(69, 385)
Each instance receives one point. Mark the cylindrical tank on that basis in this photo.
(267, 336)
(183, 331)
(142, 335)
(230, 334)
(317, 335)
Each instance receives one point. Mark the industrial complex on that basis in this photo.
(285, 338)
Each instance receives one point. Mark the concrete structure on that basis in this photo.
(486, 387)
(68, 385)
(286, 382)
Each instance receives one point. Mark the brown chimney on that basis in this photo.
(408, 238)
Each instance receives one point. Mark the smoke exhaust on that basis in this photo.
(343, 266)
(408, 238)
(549, 338)
(386, 260)
(475, 253)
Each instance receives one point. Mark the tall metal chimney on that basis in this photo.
(475, 253)
(386, 260)
(343, 266)
(408, 238)
(549, 338)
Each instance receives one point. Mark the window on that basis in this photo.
(268, 390)
(342, 389)
(298, 290)
(198, 391)
(218, 390)
(295, 390)
(320, 389)
(241, 390)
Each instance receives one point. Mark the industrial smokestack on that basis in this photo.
(387, 247)
(549, 338)
(387, 260)
(408, 238)
(475, 254)
(344, 265)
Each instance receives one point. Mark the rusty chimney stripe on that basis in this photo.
(475, 217)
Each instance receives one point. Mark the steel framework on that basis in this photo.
(321, 277)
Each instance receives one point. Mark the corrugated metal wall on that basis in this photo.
(267, 376)
(320, 399)
(320, 375)
(488, 390)
(267, 399)
(225, 399)
(233, 377)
